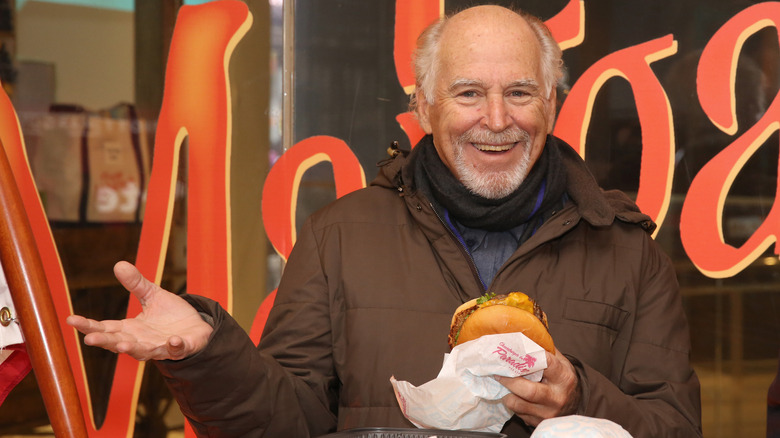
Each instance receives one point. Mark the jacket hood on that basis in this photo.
(596, 206)
(392, 167)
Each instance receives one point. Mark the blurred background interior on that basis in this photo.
(78, 65)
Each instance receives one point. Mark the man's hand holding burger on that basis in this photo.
(559, 392)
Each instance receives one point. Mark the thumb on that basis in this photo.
(132, 280)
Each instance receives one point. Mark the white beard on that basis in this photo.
(493, 185)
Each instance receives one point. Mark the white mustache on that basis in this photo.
(483, 137)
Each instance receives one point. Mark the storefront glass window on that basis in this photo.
(87, 77)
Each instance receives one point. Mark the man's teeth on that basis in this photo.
(493, 147)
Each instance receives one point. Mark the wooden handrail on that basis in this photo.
(35, 309)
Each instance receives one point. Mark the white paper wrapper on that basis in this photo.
(465, 396)
(579, 426)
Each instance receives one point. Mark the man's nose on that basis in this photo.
(497, 117)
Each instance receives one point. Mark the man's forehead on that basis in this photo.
(511, 66)
(485, 18)
(465, 39)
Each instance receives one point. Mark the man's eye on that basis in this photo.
(469, 93)
(518, 93)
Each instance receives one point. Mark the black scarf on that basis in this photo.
(531, 204)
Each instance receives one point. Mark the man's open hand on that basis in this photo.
(167, 328)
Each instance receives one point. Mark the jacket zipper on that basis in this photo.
(463, 250)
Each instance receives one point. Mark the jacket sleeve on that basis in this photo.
(657, 392)
(285, 386)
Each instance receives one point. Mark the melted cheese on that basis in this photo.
(513, 299)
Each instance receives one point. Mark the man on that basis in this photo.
(488, 201)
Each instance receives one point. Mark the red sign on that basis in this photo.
(197, 106)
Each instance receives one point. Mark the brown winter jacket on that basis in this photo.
(369, 291)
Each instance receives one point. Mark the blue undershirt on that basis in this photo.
(488, 249)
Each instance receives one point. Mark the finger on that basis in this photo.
(522, 387)
(85, 325)
(132, 280)
(78, 322)
(553, 366)
(530, 413)
(108, 341)
(172, 349)
(123, 343)
(140, 351)
(531, 420)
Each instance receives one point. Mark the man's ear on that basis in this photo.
(423, 111)
(552, 107)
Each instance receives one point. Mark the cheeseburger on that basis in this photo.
(494, 314)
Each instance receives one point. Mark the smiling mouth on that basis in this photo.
(494, 147)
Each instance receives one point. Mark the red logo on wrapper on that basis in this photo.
(520, 363)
